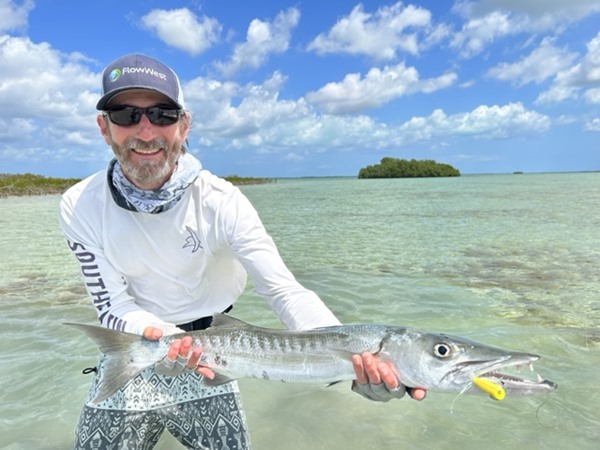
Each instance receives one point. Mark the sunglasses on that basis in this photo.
(126, 116)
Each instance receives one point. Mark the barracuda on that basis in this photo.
(234, 349)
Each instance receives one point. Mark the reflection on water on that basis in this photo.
(510, 261)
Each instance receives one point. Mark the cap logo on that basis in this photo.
(145, 70)
(114, 75)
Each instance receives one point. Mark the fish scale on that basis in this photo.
(274, 355)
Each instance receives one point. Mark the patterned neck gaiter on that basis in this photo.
(129, 196)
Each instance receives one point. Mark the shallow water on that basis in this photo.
(510, 260)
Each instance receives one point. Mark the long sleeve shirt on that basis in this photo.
(188, 262)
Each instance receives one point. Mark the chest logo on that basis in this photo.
(192, 241)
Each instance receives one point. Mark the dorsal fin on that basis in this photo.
(223, 320)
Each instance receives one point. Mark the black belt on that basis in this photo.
(200, 324)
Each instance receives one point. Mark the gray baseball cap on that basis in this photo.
(136, 71)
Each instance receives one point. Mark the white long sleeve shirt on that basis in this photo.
(182, 264)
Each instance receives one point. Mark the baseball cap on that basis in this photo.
(136, 71)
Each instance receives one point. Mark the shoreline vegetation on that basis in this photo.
(27, 184)
(404, 168)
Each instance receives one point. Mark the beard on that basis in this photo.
(150, 171)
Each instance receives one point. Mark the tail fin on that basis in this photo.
(123, 360)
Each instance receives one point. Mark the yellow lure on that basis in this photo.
(494, 390)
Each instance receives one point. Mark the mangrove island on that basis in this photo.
(404, 168)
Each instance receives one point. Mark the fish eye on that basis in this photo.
(442, 350)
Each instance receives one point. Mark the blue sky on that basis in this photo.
(314, 87)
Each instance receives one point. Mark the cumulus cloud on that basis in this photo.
(582, 76)
(592, 95)
(237, 116)
(13, 16)
(38, 81)
(479, 32)
(47, 96)
(485, 122)
(542, 63)
(592, 125)
(378, 87)
(182, 29)
(379, 35)
(542, 14)
(262, 39)
(253, 116)
(227, 113)
(488, 20)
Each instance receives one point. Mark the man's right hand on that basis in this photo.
(180, 357)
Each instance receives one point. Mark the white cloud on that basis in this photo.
(230, 114)
(44, 90)
(253, 116)
(592, 125)
(484, 122)
(593, 95)
(375, 89)
(38, 81)
(14, 16)
(488, 20)
(262, 40)
(583, 76)
(542, 13)
(479, 32)
(378, 35)
(556, 94)
(542, 63)
(182, 29)
(12, 129)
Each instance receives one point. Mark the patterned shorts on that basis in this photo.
(198, 416)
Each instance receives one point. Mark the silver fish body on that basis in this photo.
(234, 349)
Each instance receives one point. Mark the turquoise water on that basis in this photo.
(510, 260)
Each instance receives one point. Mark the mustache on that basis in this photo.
(154, 144)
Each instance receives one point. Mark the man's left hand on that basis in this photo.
(180, 357)
(376, 380)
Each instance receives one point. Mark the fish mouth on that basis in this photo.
(495, 371)
(515, 385)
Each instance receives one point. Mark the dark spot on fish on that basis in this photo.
(265, 375)
(220, 361)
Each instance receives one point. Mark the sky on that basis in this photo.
(312, 87)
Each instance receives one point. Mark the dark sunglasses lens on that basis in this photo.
(125, 116)
(157, 115)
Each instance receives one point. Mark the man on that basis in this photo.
(162, 245)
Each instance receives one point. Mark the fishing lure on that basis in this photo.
(494, 390)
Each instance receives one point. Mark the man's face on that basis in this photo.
(147, 153)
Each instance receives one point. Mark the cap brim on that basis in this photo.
(105, 100)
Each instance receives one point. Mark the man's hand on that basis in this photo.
(180, 357)
(377, 380)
